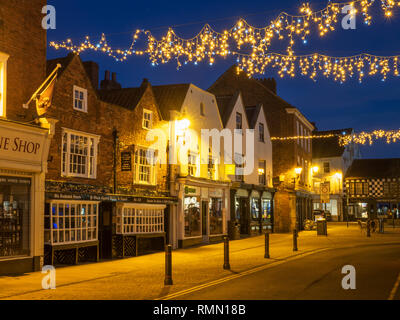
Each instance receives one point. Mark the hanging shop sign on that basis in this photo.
(325, 192)
(126, 161)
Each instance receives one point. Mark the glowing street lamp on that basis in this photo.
(298, 171)
(315, 169)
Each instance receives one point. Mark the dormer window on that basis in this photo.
(80, 99)
(147, 119)
(3, 83)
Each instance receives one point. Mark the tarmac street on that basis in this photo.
(314, 272)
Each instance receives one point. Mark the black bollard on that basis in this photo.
(295, 236)
(227, 266)
(168, 266)
(267, 245)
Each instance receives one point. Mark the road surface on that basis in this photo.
(317, 276)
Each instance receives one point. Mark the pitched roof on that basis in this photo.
(374, 168)
(128, 98)
(329, 147)
(254, 92)
(226, 104)
(64, 61)
(170, 97)
(252, 115)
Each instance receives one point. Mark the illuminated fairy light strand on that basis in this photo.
(338, 68)
(209, 43)
(363, 138)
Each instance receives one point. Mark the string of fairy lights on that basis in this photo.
(362, 138)
(209, 44)
(312, 65)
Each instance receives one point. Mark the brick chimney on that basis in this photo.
(270, 83)
(92, 69)
(108, 84)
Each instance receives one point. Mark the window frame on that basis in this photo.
(239, 116)
(150, 121)
(3, 84)
(85, 99)
(193, 164)
(65, 166)
(152, 173)
(327, 169)
(92, 218)
(261, 133)
(262, 178)
(202, 109)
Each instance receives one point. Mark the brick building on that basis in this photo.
(102, 193)
(24, 141)
(293, 200)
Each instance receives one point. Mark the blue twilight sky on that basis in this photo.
(374, 104)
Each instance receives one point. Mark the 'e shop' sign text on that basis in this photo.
(19, 145)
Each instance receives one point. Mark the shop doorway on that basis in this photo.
(204, 218)
(105, 230)
(244, 216)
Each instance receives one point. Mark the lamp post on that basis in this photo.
(297, 172)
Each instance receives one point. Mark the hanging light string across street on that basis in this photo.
(209, 43)
(363, 138)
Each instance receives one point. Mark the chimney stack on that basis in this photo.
(270, 83)
(108, 84)
(92, 69)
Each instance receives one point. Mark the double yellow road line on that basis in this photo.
(239, 275)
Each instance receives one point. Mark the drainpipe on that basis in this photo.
(115, 140)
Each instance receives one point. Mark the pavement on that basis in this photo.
(142, 278)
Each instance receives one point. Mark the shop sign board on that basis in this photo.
(21, 144)
(192, 191)
(126, 161)
(216, 193)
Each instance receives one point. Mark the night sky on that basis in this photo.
(374, 104)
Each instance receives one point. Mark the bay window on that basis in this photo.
(79, 154)
(69, 221)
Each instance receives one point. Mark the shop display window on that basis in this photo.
(136, 219)
(68, 222)
(15, 196)
(266, 210)
(255, 208)
(192, 214)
